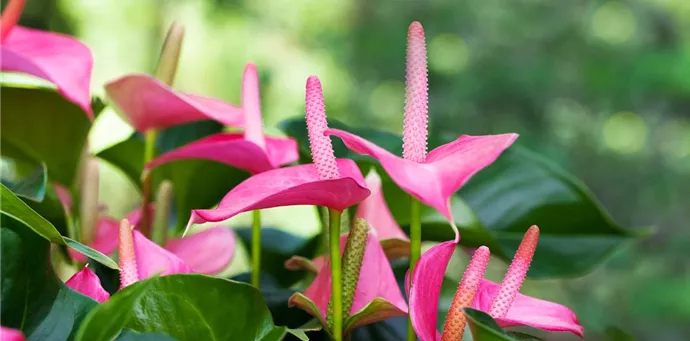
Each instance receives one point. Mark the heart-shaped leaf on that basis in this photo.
(185, 307)
(499, 203)
(14, 207)
(33, 298)
(39, 125)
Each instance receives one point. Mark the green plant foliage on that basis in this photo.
(185, 307)
(484, 328)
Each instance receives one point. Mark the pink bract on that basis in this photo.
(152, 259)
(297, 185)
(147, 103)
(446, 169)
(9, 334)
(87, 283)
(377, 296)
(207, 252)
(57, 58)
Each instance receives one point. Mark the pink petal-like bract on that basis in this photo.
(9, 334)
(152, 259)
(251, 104)
(87, 283)
(148, 103)
(529, 311)
(207, 252)
(296, 185)
(105, 241)
(64, 196)
(376, 280)
(516, 273)
(234, 150)
(57, 58)
(376, 212)
(320, 145)
(447, 167)
(416, 96)
(426, 289)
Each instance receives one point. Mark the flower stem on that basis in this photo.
(149, 154)
(159, 227)
(256, 247)
(415, 250)
(336, 276)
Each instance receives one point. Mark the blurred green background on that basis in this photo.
(601, 87)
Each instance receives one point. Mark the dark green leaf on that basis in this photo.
(129, 335)
(483, 327)
(33, 298)
(39, 125)
(186, 307)
(523, 336)
(128, 156)
(277, 246)
(17, 209)
(33, 186)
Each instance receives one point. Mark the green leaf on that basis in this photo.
(483, 327)
(33, 186)
(277, 246)
(128, 156)
(33, 298)
(185, 307)
(39, 125)
(498, 204)
(129, 335)
(616, 334)
(14, 207)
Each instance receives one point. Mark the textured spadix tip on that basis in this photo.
(126, 254)
(320, 144)
(517, 271)
(10, 17)
(416, 96)
(454, 327)
(170, 53)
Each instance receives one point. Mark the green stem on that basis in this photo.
(336, 276)
(256, 247)
(415, 250)
(149, 154)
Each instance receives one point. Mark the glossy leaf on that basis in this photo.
(499, 203)
(129, 335)
(483, 327)
(128, 156)
(13, 207)
(33, 298)
(277, 246)
(56, 134)
(33, 186)
(185, 307)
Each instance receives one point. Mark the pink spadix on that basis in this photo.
(416, 96)
(504, 302)
(320, 144)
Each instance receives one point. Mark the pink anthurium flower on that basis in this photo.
(251, 150)
(375, 211)
(9, 334)
(208, 252)
(87, 283)
(377, 296)
(337, 184)
(434, 177)
(57, 58)
(503, 302)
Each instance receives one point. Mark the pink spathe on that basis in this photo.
(9, 334)
(87, 283)
(376, 283)
(147, 103)
(57, 58)
(250, 150)
(376, 212)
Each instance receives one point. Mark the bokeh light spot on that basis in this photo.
(387, 102)
(448, 53)
(625, 133)
(675, 141)
(613, 22)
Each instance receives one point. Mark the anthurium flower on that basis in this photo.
(57, 58)
(86, 282)
(503, 302)
(374, 210)
(377, 295)
(337, 184)
(208, 251)
(251, 150)
(434, 177)
(9, 334)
